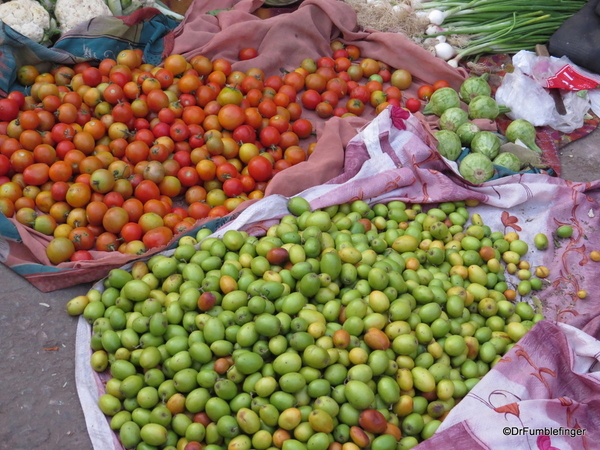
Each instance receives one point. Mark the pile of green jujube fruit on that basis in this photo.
(344, 328)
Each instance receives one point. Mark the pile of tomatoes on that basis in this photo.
(123, 156)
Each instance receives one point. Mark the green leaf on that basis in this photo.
(214, 12)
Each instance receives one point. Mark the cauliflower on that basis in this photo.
(27, 17)
(70, 13)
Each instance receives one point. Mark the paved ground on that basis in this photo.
(580, 161)
(39, 406)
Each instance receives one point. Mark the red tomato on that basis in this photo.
(82, 255)
(226, 171)
(355, 106)
(82, 238)
(4, 165)
(303, 128)
(260, 168)
(137, 151)
(248, 183)
(157, 237)
(36, 174)
(183, 158)
(146, 190)
(92, 76)
(160, 129)
(122, 112)
(269, 135)
(310, 99)
(107, 242)
(62, 132)
(233, 187)
(424, 92)
(247, 53)
(113, 199)
(231, 116)
(17, 96)
(131, 231)
(413, 105)
(330, 97)
(244, 133)
(361, 93)
(440, 84)
(179, 132)
(188, 176)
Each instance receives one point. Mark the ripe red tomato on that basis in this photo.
(179, 131)
(269, 135)
(226, 171)
(92, 76)
(231, 116)
(137, 151)
(198, 210)
(157, 237)
(113, 199)
(188, 176)
(248, 183)
(424, 92)
(183, 158)
(4, 165)
(303, 128)
(131, 231)
(17, 96)
(107, 242)
(247, 53)
(122, 112)
(361, 93)
(244, 134)
(310, 99)
(146, 190)
(355, 106)
(82, 255)
(330, 97)
(324, 110)
(440, 84)
(260, 168)
(36, 174)
(82, 238)
(233, 187)
(62, 132)
(413, 105)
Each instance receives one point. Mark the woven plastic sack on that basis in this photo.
(547, 379)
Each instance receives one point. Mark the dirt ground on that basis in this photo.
(39, 406)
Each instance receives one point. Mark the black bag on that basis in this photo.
(578, 38)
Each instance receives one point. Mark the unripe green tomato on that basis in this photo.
(430, 428)
(519, 247)
(536, 283)
(516, 330)
(537, 317)
(524, 287)
(454, 345)
(413, 424)
(540, 241)
(564, 231)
